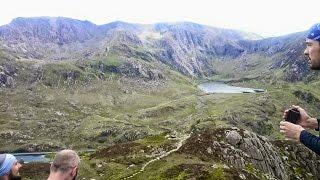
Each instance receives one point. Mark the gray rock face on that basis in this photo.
(263, 155)
(189, 47)
(240, 149)
(137, 70)
(300, 162)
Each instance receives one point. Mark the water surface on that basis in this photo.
(28, 158)
(219, 87)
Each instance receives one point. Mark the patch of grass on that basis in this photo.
(154, 139)
(174, 166)
(217, 173)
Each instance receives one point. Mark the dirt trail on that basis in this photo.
(178, 145)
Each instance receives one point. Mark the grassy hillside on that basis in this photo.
(74, 104)
(131, 117)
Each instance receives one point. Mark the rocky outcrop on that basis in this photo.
(138, 70)
(7, 75)
(241, 149)
(131, 135)
(6, 80)
(130, 68)
(300, 162)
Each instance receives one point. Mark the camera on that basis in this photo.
(293, 115)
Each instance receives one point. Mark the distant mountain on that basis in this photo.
(46, 37)
(191, 47)
(187, 47)
(286, 51)
(56, 30)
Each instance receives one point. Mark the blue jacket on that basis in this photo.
(311, 141)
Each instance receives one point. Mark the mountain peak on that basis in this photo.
(59, 30)
(45, 18)
(121, 25)
(181, 25)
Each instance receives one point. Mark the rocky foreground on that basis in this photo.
(224, 153)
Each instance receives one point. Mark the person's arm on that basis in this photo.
(311, 141)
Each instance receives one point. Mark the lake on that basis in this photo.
(31, 157)
(41, 156)
(219, 87)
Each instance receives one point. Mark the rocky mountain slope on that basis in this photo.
(187, 47)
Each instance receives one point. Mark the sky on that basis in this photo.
(265, 17)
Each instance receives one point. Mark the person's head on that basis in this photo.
(9, 167)
(312, 50)
(65, 164)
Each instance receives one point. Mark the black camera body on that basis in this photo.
(293, 116)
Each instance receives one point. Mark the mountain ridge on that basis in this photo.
(187, 47)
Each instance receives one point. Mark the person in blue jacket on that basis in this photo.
(297, 131)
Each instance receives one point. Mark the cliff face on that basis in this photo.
(190, 47)
(241, 149)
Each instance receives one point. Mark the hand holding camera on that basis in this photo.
(293, 115)
(299, 116)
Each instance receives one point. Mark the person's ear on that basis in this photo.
(74, 171)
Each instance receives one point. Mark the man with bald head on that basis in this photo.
(64, 166)
(9, 167)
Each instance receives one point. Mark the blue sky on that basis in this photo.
(264, 17)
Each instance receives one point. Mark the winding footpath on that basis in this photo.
(164, 154)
